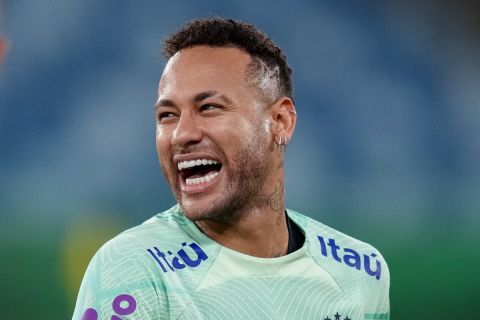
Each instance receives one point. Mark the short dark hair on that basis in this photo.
(268, 60)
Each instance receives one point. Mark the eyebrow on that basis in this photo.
(197, 98)
(164, 103)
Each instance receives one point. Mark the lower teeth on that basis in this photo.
(207, 178)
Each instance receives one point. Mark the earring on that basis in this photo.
(281, 144)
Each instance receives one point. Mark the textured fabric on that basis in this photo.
(167, 268)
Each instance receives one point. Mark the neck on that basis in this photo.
(258, 229)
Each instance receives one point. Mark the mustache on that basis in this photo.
(210, 149)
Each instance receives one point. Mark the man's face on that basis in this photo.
(213, 136)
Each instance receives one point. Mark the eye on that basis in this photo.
(165, 116)
(208, 107)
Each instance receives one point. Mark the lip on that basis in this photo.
(192, 156)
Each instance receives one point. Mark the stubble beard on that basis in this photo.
(245, 175)
(246, 178)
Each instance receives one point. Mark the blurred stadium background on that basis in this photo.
(386, 148)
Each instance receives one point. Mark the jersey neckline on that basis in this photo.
(201, 237)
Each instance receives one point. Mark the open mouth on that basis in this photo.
(198, 171)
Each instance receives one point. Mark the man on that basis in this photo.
(229, 249)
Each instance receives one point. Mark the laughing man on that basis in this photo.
(230, 249)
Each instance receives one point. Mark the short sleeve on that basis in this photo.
(119, 284)
(380, 295)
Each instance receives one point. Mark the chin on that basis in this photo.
(201, 209)
(193, 210)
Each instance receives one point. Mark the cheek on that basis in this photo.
(162, 142)
(253, 130)
(245, 133)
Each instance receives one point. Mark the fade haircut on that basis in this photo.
(268, 69)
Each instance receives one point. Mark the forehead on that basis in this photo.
(205, 68)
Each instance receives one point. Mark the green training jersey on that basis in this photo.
(167, 268)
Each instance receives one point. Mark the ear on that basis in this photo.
(284, 118)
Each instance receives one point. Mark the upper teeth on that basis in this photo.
(192, 163)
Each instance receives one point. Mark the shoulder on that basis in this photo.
(350, 261)
(124, 268)
(162, 245)
(129, 248)
(165, 226)
(135, 248)
(163, 255)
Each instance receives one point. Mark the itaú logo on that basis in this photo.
(351, 257)
(188, 256)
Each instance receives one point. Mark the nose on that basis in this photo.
(187, 131)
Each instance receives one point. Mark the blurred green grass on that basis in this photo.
(32, 282)
(435, 278)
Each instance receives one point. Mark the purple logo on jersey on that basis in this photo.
(181, 259)
(90, 314)
(122, 305)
